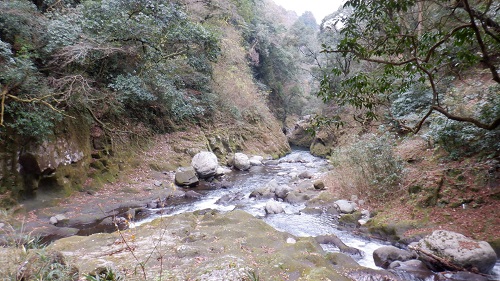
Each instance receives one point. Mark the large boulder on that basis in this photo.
(300, 134)
(344, 206)
(443, 250)
(225, 246)
(186, 176)
(412, 270)
(241, 161)
(385, 255)
(205, 164)
(273, 207)
(256, 160)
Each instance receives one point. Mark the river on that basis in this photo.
(293, 221)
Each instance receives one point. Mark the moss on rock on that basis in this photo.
(219, 243)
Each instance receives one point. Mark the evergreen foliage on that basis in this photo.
(406, 45)
(146, 60)
(282, 62)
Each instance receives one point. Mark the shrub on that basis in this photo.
(461, 139)
(414, 101)
(31, 121)
(368, 167)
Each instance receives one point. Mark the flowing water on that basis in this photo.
(292, 221)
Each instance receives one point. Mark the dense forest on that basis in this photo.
(130, 70)
(148, 61)
(152, 63)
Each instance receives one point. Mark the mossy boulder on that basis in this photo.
(350, 220)
(393, 231)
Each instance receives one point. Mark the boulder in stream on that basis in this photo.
(256, 160)
(273, 207)
(344, 206)
(411, 270)
(334, 240)
(186, 176)
(385, 255)
(319, 185)
(446, 250)
(241, 161)
(205, 164)
(266, 191)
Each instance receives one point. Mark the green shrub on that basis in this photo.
(31, 121)
(461, 139)
(415, 100)
(105, 275)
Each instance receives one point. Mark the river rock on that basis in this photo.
(282, 191)
(306, 175)
(241, 161)
(365, 214)
(54, 232)
(296, 197)
(230, 198)
(305, 185)
(266, 191)
(271, 162)
(192, 194)
(334, 240)
(319, 185)
(186, 176)
(463, 276)
(222, 171)
(152, 205)
(454, 247)
(256, 160)
(273, 207)
(53, 220)
(205, 164)
(411, 270)
(344, 206)
(385, 255)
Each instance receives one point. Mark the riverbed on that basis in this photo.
(240, 184)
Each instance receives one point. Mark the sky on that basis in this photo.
(319, 8)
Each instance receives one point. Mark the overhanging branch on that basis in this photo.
(473, 121)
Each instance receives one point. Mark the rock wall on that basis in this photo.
(266, 139)
(58, 163)
(320, 143)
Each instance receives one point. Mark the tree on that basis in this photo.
(27, 106)
(414, 43)
(279, 57)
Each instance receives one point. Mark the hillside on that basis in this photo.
(83, 83)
